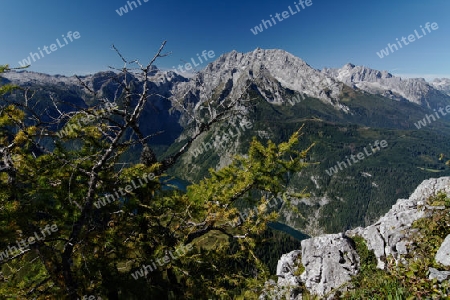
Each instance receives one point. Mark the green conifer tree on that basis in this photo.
(139, 226)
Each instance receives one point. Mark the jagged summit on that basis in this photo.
(415, 90)
(275, 73)
(271, 70)
(275, 70)
(442, 84)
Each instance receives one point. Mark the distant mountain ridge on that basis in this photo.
(415, 90)
(342, 109)
(442, 84)
(274, 68)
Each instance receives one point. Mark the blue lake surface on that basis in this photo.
(289, 230)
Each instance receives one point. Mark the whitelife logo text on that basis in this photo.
(25, 243)
(411, 38)
(52, 48)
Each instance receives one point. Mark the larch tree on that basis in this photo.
(120, 234)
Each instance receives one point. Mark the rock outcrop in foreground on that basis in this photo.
(329, 261)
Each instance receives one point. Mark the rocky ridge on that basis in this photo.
(442, 84)
(415, 90)
(271, 72)
(329, 261)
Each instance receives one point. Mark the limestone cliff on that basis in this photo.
(328, 262)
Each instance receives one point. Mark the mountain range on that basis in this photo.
(343, 110)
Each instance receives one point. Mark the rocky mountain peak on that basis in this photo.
(271, 70)
(274, 71)
(442, 84)
(415, 90)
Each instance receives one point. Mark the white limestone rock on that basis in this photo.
(329, 261)
(443, 254)
(389, 236)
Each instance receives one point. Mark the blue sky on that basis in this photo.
(328, 33)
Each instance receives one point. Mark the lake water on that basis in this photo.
(289, 230)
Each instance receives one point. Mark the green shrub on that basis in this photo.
(409, 280)
(372, 283)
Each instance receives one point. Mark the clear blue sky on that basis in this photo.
(328, 33)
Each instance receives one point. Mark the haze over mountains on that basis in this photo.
(343, 110)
